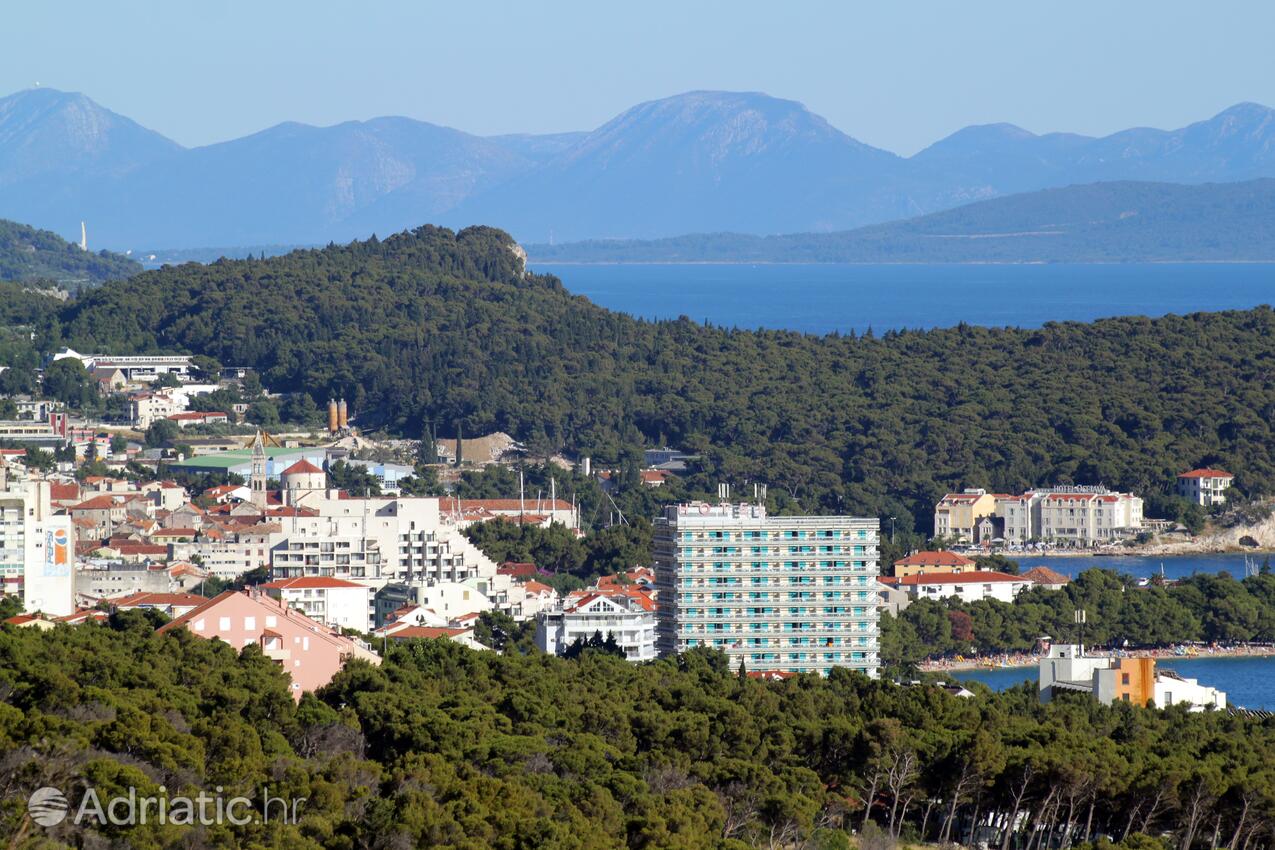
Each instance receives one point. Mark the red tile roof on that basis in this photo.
(536, 587)
(196, 416)
(427, 632)
(98, 503)
(1044, 575)
(980, 577)
(309, 582)
(302, 467)
(60, 492)
(516, 569)
(1206, 473)
(159, 600)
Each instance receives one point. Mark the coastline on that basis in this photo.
(1026, 660)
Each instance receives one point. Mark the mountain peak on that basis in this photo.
(45, 129)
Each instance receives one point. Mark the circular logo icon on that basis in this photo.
(47, 806)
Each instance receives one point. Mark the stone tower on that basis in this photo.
(257, 480)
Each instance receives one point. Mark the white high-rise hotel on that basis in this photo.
(791, 593)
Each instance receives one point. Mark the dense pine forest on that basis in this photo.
(446, 326)
(446, 747)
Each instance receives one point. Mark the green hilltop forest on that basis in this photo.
(28, 254)
(446, 747)
(432, 324)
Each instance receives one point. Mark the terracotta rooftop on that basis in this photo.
(302, 467)
(309, 582)
(1044, 575)
(980, 577)
(1206, 473)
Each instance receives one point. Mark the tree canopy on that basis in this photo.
(447, 747)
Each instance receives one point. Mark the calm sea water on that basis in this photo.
(1248, 682)
(1174, 566)
(825, 298)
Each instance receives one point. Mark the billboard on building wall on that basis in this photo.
(57, 553)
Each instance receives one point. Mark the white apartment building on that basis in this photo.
(628, 617)
(967, 587)
(782, 593)
(1081, 516)
(145, 408)
(332, 601)
(37, 546)
(1205, 486)
(398, 542)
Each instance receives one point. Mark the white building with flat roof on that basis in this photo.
(781, 593)
(1068, 668)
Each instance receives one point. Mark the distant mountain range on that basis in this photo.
(28, 255)
(1120, 221)
(696, 162)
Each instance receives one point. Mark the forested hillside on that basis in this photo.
(446, 747)
(431, 324)
(27, 254)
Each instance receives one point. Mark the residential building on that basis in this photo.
(792, 593)
(308, 651)
(967, 587)
(1066, 667)
(628, 616)
(922, 563)
(957, 515)
(1047, 578)
(1205, 486)
(186, 418)
(447, 599)
(100, 580)
(336, 602)
(136, 368)
(891, 598)
(461, 635)
(145, 408)
(37, 544)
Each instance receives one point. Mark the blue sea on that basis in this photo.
(1248, 682)
(1171, 566)
(835, 297)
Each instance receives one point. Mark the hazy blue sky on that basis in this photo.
(892, 73)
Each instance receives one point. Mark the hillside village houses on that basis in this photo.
(1080, 516)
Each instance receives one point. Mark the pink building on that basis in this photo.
(309, 652)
